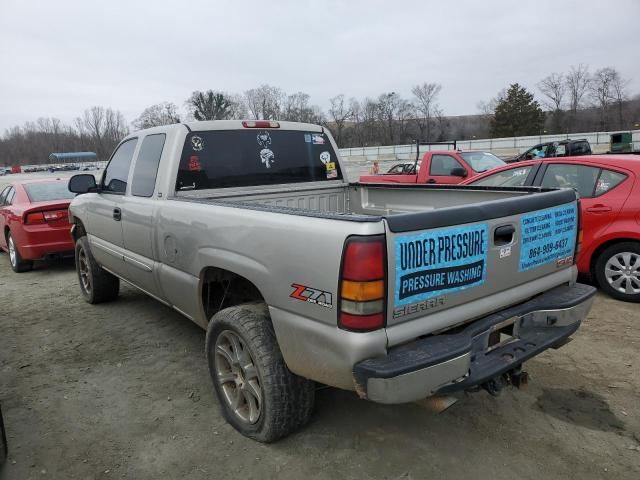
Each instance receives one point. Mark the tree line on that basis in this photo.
(577, 100)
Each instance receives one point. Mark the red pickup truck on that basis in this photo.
(439, 166)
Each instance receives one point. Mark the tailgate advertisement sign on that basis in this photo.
(548, 236)
(440, 261)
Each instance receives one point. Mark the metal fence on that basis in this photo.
(496, 145)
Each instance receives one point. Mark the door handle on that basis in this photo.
(431, 180)
(503, 235)
(599, 209)
(117, 214)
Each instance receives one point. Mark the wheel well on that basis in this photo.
(601, 248)
(221, 288)
(79, 231)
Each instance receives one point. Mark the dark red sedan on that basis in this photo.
(34, 221)
(609, 188)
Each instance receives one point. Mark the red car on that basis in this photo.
(609, 188)
(34, 221)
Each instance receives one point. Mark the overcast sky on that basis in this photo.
(59, 57)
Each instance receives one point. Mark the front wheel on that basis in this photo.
(617, 271)
(17, 263)
(258, 394)
(96, 284)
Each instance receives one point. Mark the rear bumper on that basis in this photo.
(462, 359)
(40, 241)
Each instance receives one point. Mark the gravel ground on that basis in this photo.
(121, 390)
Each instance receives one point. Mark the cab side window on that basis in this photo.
(115, 175)
(441, 165)
(146, 167)
(579, 177)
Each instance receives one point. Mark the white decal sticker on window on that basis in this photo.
(197, 143)
(264, 139)
(317, 139)
(267, 157)
(325, 157)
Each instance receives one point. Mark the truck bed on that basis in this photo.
(401, 205)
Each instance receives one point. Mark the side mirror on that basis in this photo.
(82, 183)
(459, 172)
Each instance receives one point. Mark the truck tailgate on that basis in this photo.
(478, 258)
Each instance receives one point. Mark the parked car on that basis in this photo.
(252, 230)
(438, 166)
(34, 221)
(609, 188)
(563, 148)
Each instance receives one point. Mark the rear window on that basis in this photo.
(243, 158)
(482, 161)
(43, 192)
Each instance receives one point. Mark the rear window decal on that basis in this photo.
(264, 139)
(194, 163)
(267, 157)
(325, 157)
(317, 139)
(197, 143)
(307, 138)
(437, 262)
(547, 235)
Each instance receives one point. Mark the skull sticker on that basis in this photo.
(267, 157)
(197, 143)
(325, 157)
(264, 139)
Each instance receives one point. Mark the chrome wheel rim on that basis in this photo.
(12, 251)
(83, 270)
(622, 272)
(237, 377)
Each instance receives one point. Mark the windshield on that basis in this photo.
(43, 192)
(249, 157)
(482, 161)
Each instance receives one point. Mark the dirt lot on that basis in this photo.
(121, 390)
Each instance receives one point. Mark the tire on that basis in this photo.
(617, 271)
(272, 402)
(15, 259)
(96, 284)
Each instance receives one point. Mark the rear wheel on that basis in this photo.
(258, 394)
(617, 271)
(17, 263)
(96, 284)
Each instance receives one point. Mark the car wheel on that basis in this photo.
(258, 394)
(96, 284)
(617, 271)
(17, 263)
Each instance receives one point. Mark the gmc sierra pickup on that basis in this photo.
(251, 230)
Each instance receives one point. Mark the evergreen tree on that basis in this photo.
(517, 114)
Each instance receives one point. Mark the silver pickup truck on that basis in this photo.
(251, 230)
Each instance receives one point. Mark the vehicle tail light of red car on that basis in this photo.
(50, 216)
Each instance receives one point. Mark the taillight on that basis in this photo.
(260, 124)
(35, 218)
(363, 284)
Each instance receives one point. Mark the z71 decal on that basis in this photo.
(311, 295)
(443, 261)
(548, 236)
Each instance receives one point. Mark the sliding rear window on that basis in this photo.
(244, 158)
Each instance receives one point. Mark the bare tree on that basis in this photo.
(164, 113)
(104, 127)
(602, 92)
(553, 87)
(339, 113)
(298, 109)
(619, 90)
(265, 102)
(577, 81)
(426, 96)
